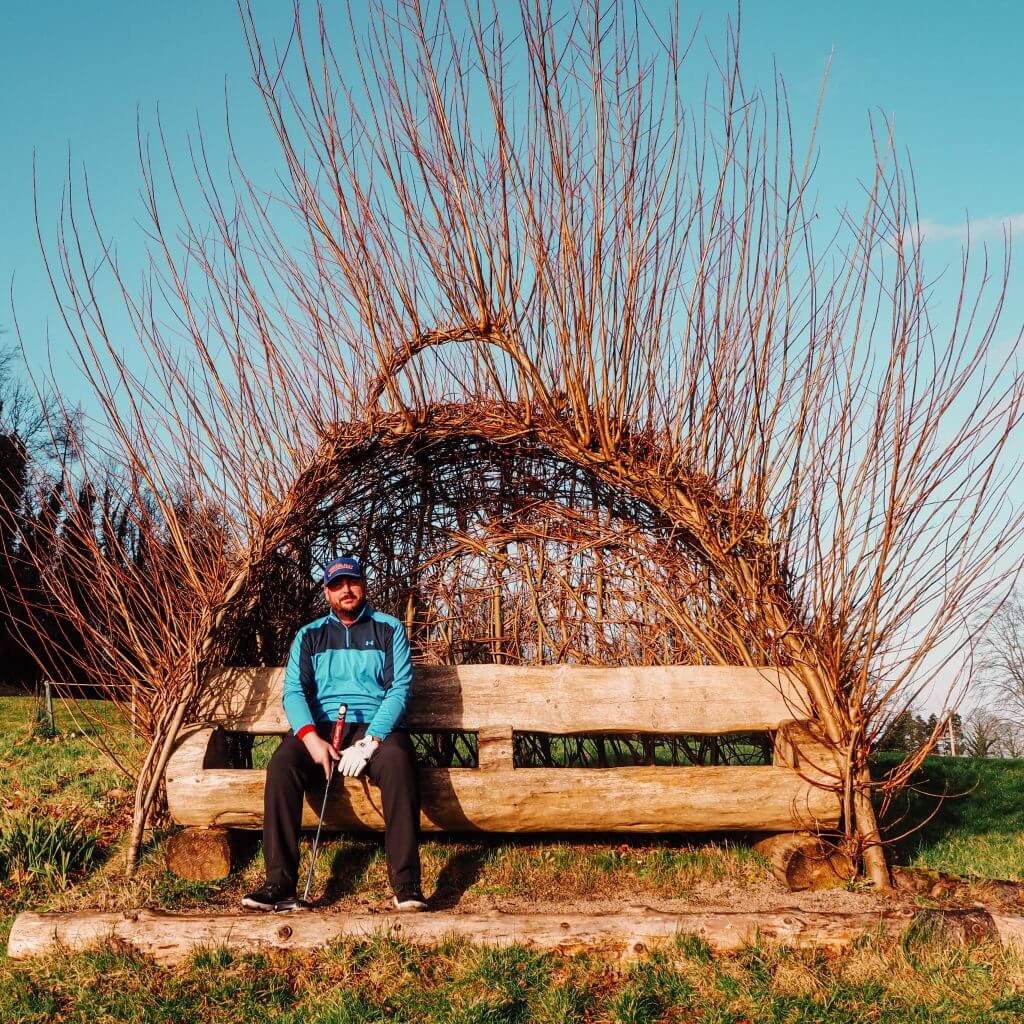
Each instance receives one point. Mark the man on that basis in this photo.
(359, 657)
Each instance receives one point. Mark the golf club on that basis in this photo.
(336, 738)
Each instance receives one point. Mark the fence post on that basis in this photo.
(48, 689)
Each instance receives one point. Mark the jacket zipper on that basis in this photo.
(348, 642)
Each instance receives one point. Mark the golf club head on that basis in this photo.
(292, 903)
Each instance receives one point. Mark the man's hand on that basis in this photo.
(321, 751)
(355, 758)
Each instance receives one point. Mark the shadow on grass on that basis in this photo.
(965, 796)
(348, 866)
(462, 870)
(350, 863)
(246, 845)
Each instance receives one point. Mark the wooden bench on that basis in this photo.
(792, 793)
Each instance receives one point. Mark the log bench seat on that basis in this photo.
(796, 792)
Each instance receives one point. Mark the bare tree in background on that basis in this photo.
(1000, 659)
(519, 235)
(990, 734)
(34, 454)
(21, 414)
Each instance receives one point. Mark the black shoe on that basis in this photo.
(409, 900)
(271, 897)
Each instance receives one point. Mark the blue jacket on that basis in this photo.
(366, 666)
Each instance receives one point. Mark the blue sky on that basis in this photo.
(74, 76)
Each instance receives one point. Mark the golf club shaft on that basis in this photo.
(336, 738)
(316, 839)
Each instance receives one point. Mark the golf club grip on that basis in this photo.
(339, 728)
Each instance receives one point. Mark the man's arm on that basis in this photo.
(393, 706)
(298, 681)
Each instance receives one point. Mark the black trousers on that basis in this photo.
(292, 773)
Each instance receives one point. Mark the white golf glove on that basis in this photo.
(355, 758)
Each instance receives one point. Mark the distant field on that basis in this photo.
(66, 782)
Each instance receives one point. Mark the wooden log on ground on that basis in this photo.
(170, 938)
(644, 799)
(199, 854)
(801, 861)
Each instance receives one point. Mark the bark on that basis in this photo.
(505, 799)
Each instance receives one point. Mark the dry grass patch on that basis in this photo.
(564, 871)
(925, 966)
(351, 870)
(923, 979)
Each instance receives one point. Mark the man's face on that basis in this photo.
(345, 596)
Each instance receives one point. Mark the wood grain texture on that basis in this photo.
(494, 749)
(643, 799)
(706, 700)
(199, 854)
(171, 938)
(803, 745)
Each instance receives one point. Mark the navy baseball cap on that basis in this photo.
(341, 568)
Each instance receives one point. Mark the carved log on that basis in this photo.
(645, 799)
(802, 861)
(707, 699)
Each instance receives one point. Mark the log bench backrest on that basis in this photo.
(688, 699)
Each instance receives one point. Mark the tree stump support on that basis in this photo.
(802, 861)
(201, 854)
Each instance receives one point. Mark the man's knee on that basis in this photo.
(394, 757)
(288, 760)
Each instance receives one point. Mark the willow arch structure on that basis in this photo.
(726, 577)
(570, 272)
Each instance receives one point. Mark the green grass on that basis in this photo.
(387, 980)
(66, 771)
(63, 805)
(976, 830)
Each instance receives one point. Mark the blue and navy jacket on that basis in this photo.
(366, 666)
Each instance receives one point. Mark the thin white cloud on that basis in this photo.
(976, 230)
